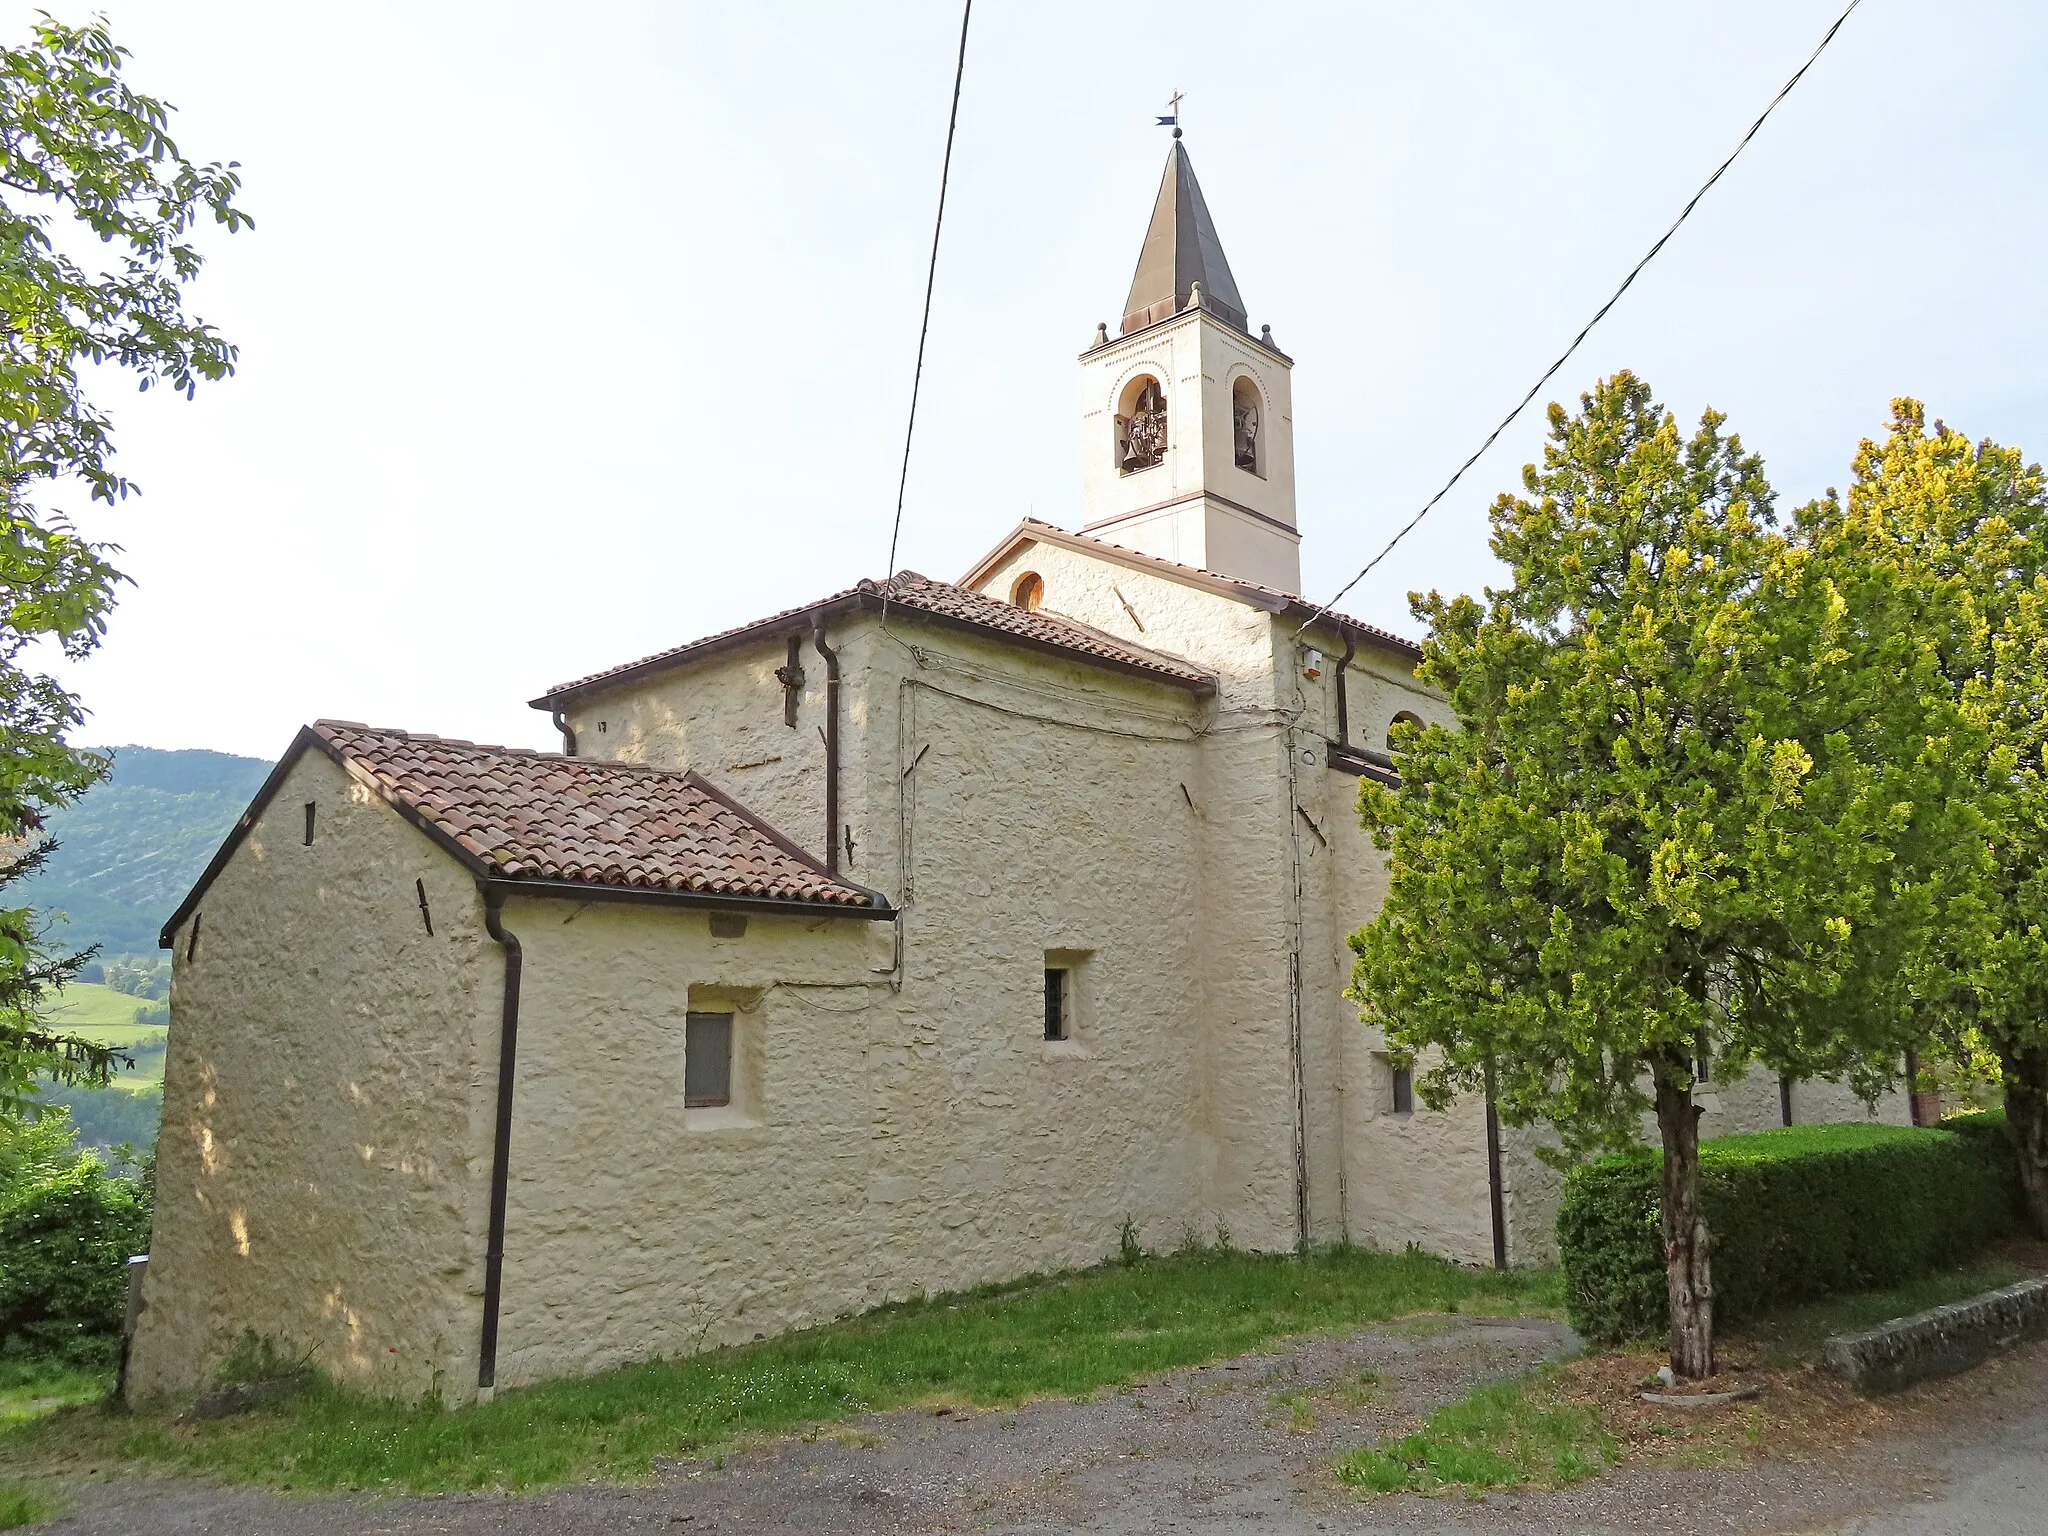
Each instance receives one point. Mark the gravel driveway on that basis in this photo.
(1238, 1447)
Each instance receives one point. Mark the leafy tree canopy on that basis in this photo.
(1648, 833)
(85, 161)
(1640, 837)
(1941, 551)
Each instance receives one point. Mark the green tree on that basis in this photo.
(85, 162)
(1944, 545)
(1637, 844)
(2006, 1008)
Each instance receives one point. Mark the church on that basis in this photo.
(930, 934)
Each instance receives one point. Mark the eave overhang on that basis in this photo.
(488, 878)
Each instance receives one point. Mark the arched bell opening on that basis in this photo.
(1140, 425)
(1247, 427)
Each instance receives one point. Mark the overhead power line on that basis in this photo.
(1587, 329)
(930, 278)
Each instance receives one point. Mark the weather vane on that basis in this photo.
(1172, 118)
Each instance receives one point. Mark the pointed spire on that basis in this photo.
(1181, 250)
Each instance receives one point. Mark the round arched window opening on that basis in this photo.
(1247, 427)
(1028, 591)
(1140, 425)
(1406, 717)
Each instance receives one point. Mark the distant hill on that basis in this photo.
(130, 848)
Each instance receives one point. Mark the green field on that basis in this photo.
(101, 1013)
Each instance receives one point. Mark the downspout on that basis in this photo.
(831, 744)
(501, 1142)
(1296, 1049)
(561, 720)
(1496, 1194)
(1343, 704)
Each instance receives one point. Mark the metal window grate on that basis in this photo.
(1404, 1090)
(1055, 1004)
(707, 1060)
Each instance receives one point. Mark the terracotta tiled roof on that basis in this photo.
(943, 599)
(911, 593)
(520, 815)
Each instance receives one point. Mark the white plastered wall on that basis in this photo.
(1277, 821)
(1418, 1177)
(1245, 912)
(1015, 804)
(323, 1166)
(636, 1227)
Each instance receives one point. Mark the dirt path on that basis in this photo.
(1244, 1446)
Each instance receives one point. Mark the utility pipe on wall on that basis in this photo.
(1344, 704)
(501, 1140)
(831, 744)
(1496, 1195)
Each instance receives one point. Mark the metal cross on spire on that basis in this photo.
(1172, 118)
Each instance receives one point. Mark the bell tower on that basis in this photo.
(1187, 419)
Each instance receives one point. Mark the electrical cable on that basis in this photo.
(930, 278)
(1601, 314)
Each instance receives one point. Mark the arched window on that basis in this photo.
(1247, 426)
(1406, 717)
(1028, 591)
(1140, 425)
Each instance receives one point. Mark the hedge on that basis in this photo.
(1794, 1214)
(1988, 1130)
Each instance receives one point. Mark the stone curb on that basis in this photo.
(1939, 1342)
(1702, 1399)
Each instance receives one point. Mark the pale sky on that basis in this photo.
(572, 333)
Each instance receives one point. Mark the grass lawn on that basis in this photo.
(1063, 1336)
(24, 1506)
(1502, 1435)
(29, 1389)
(1784, 1340)
(1571, 1421)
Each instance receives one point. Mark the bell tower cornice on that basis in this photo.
(1105, 345)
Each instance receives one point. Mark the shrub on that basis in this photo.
(1794, 1213)
(66, 1233)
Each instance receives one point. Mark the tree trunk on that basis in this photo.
(1688, 1270)
(2025, 1073)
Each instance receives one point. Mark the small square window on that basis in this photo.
(707, 1060)
(1404, 1089)
(1058, 1002)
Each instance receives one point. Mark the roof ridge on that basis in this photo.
(920, 594)
(605, 830)
(605, 764)
(1035, 525)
